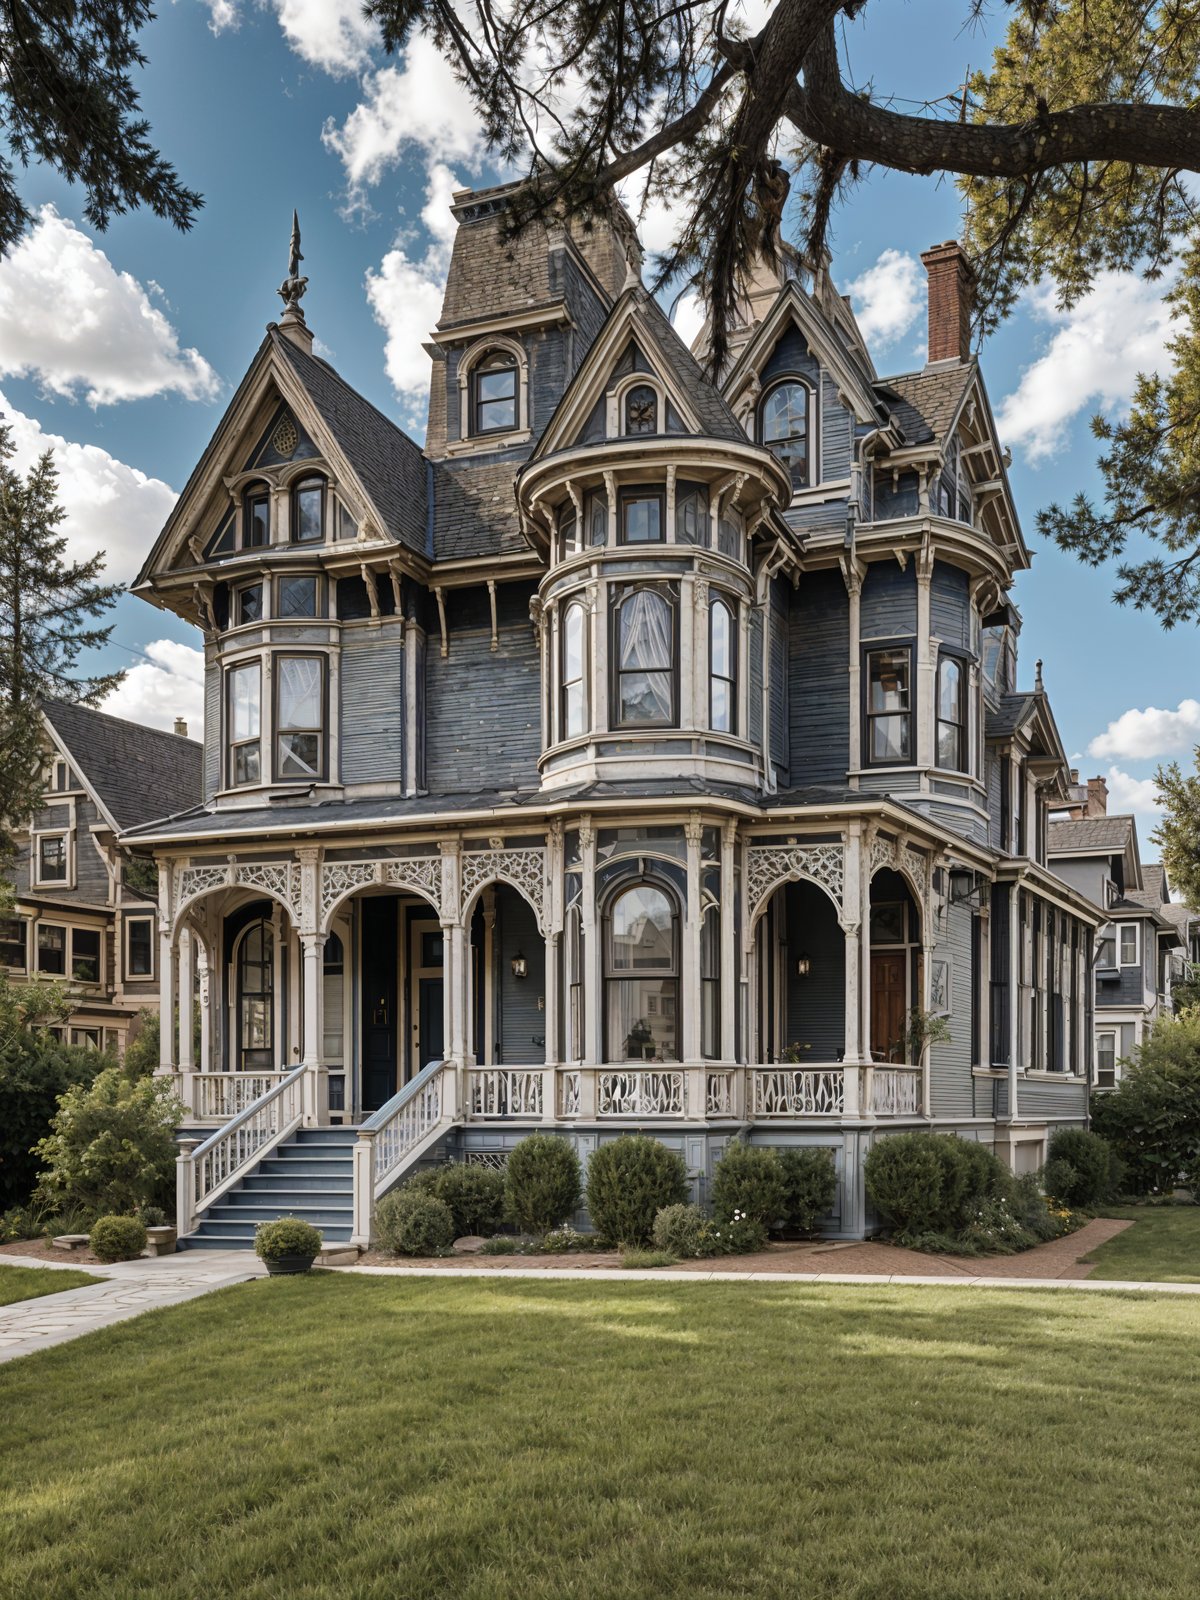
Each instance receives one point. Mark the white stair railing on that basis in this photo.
(205, 1171)
(225, 1094)
(398, 1134)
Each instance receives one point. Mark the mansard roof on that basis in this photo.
(474, 509)
(134, 773)
(926, 404)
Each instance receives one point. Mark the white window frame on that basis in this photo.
(96, 1042)
(98, 981)
(65, 833)
(65, 974)
(1107, 934)
(1106, 1033)
(1124, 928)
(139, 977)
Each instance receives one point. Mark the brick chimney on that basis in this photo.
(1097, 797)
(951, 292)
(181, 727)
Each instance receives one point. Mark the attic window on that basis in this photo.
(494, 393)
(784, 427)
(641, 410)
(308, 511)
(256, 521)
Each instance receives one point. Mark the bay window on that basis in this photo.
(52, 949)
(296, 595)
(889, 705)
(642, 975)
(244, 722)
(951, 714)
(722, 675)
(13, 943)
(641, 516)
(691, 514)
(573, 704)
(248, 605)
(644, 654)
(1128, 933)
(300, 718)
(85, 955)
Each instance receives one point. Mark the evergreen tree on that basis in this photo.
(1071, 150)
(49, 611)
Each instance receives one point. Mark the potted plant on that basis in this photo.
(287, 1245)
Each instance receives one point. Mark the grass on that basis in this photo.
(642, 1259)
(30, 1283)
(1163, 1246)
(322, 1437)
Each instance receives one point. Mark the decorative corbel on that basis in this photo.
(397, 592)
(441, 605)
(202, 595)
(491, 589)
(368, 578)
(537, 614)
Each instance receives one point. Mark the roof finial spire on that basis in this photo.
(1038, 684)
(291, 292)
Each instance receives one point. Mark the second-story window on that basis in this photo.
(52, 949)
(13, 941)
(574, 692)
(889, 706)
(641, 409)
(644, 652)
(296, 596)
(641, 516)
(951, 715)
(85, 955)
(722, 685)
(1128, 944)
(248, 604)
(300, 718)
(784, 427)
(139, 947)
(245, 724)
(308, 511)
(52, 860)
(256, 517)
(692, 522)
(494, 393)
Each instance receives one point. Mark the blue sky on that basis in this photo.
(121, 350)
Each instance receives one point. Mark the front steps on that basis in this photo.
(310, 1176)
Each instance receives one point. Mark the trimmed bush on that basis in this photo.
(541, 1183)
(750, 1179)
(809, 1186)
(286, 1236)
(932, 1183)
(409, 1222)
(153, 1217)
(684, 1231)
(112, 1145)
(474, 1195)
(740, 1235)
(1059, 1179)
(117, 1239)
(1091, 1157)
(630, 1180)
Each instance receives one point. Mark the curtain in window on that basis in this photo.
(573, 691)
(645, 659)
(299, 717)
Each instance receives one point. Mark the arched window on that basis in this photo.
(256, 998)
(333, 970)
(722, 668)
(256, 517)
(710, 983)
(641, 975)
(308, 511)
(494, 392)
(951, 715)
(641, 409)
(573, 703)
(644, 653)
(784, 427)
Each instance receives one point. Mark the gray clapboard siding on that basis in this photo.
(521, 1022)
(951, 1086)
(837, 429)
(1039, 1098)
(889, 600)
(950, 605)
(819, 681)
(372, 710)
(212, 729)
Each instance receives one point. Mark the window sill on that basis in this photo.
(478, 443)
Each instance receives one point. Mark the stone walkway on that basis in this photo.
(129, 1288)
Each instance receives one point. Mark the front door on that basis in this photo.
(379, 1033)
(428, 1016)
(889, 1004)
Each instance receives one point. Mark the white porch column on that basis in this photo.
(553, 915)
(453, 954)
(489, 981)
(1015, 957)
(926, 659)
(928, 946)
(853, 572)
(166, 971)
(313, 947)
(187, 993)
(729, 975)
(204, 976)
(690, 989)
(852, 927)
(592, 1047)
(864, 943)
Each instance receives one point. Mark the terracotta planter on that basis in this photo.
(288, 1266)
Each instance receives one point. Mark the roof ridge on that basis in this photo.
(291, 349)
(125, 722)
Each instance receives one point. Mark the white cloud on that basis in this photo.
(331, 34)
(110, 506)
(417, 104)
(1142, 735)
(222, 14)
(1137, 795)
(406, 293)
(169, 685)
(1118, 329)
(888, 298)
(70, 319)
(689, 317)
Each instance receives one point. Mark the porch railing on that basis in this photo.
(783, 1091)
(398, 1134)
(225, 1094)
(505, 1092)
(895, 1091)
(204, 1172)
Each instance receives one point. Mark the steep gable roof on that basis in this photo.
(714, 414)
(136, 774)
(926, 403)
(1090, 836)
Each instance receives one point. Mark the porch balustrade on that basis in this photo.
(783, 1091)
(203, 1172)
(398, 1134)
(505, 1092)
(219, 1095)
(895, 1091)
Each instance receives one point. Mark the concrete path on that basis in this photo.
(129, 1288)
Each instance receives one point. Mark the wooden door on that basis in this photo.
(889, 1004)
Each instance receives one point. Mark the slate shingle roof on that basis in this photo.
(1153, 882)
(1090, 833)
(926, 403)
(475, 510)
(389, 465)
(138, 773)
(716, 419)
(1009, 714)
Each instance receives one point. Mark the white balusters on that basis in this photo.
(505, 1092)
(207, 1170)
(641, 1092)
(896, 1091)
(798, 1091)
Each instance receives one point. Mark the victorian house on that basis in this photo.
(643, 752)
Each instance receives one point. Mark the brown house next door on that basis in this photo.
(889, 997)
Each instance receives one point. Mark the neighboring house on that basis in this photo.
(643, 752)
(85, 912)
(1142, 948)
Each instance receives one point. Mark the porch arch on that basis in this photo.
(416, 875)
(274, 880)
(522, 869)
(770, 866)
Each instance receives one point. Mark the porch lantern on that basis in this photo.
(520, 967)
(966, 887)
(804, 965)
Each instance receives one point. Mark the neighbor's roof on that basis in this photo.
(1090, 835)
(926, 403)
(136, 773)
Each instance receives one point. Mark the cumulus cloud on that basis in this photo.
(888, 298)
(169, 685)
(1142, 735)
(110, 506)
(222, 14)
(71, 320)
(1137, 795)
(331, 34)
(406, 293)
(689, 317)
(1095, 352)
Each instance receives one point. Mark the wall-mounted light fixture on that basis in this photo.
(520, 967)
(804, 965)
(967, 887)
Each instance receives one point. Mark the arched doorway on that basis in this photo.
(895, 966)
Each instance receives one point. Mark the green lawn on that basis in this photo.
(29, 1283)
(1163, 1246)
(377, 1440)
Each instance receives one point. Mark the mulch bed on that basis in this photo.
(43, 1250)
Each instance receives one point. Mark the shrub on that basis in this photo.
(995, 1228)
(1091, 1158)
(20, 1222)
(541, 1183)
(474, 1195)
(684, 1231)
(35, 1070)
(409, 1222)
(286, 1236)
(562, 1239)
(809, 1186)
(1036, 1215)
(932, 1183)
(740, 1235)
(1152, 1118)
(629, 1181)
(117, 1239)
(111, 1144)
(750, 1179)
(153, 1216)
(1059, 1178)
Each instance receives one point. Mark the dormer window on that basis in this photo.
(296, 596)
(784, 427)
(256, 517)
(641, 409)
(494, 393)
(308, 511)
